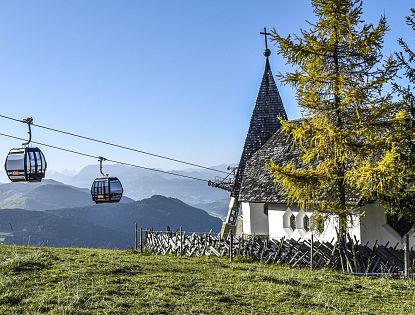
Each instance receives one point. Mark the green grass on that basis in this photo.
(91, 281)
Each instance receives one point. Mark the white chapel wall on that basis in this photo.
(374, 228)
(275, 217)
(279, 224)
(255, 219)
(369, 227)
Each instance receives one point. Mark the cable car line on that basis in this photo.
(109, 160)
(118, 146)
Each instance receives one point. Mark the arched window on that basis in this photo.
(288, 220)
(306, 223)
(317, 223)
(292, 221)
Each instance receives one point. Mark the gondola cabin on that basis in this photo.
(106, 189)
(25, 165)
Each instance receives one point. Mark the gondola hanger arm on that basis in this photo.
(28, 121)
(101, 159)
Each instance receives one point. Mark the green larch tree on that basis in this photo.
(406, 57)
(401, 204)
(351, 135)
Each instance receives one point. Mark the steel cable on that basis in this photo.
(109, 160)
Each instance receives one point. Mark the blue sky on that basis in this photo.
(178, 78)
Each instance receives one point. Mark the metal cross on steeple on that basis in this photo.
(267, 52)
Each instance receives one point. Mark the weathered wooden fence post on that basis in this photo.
(141, 239)
(230, 245)
(135, 236)
(406, 255)
(251, 250)
(312, 251)
(241, 244)
(181, 241)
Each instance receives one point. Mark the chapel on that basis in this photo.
(258, 208)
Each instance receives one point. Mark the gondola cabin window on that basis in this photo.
(25, 164)
(106, 189)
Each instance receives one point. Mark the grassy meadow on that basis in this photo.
(92, 281)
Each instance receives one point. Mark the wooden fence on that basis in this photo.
(348, 256)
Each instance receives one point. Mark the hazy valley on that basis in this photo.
(59, 211)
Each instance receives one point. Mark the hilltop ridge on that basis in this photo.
(92, 281)
(102, 226)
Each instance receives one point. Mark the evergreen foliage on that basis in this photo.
(353, 138)
(407, 61)
(402, 204)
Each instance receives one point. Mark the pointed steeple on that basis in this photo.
(264, 121)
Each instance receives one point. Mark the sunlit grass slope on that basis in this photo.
(89, 281)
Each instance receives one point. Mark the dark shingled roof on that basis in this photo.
(264, 123)
(257, 184)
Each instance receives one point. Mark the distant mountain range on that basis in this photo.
(38, 228)
(139, 183)
(48, 194)
(106, 226)
(216, 208)
(58, 213)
